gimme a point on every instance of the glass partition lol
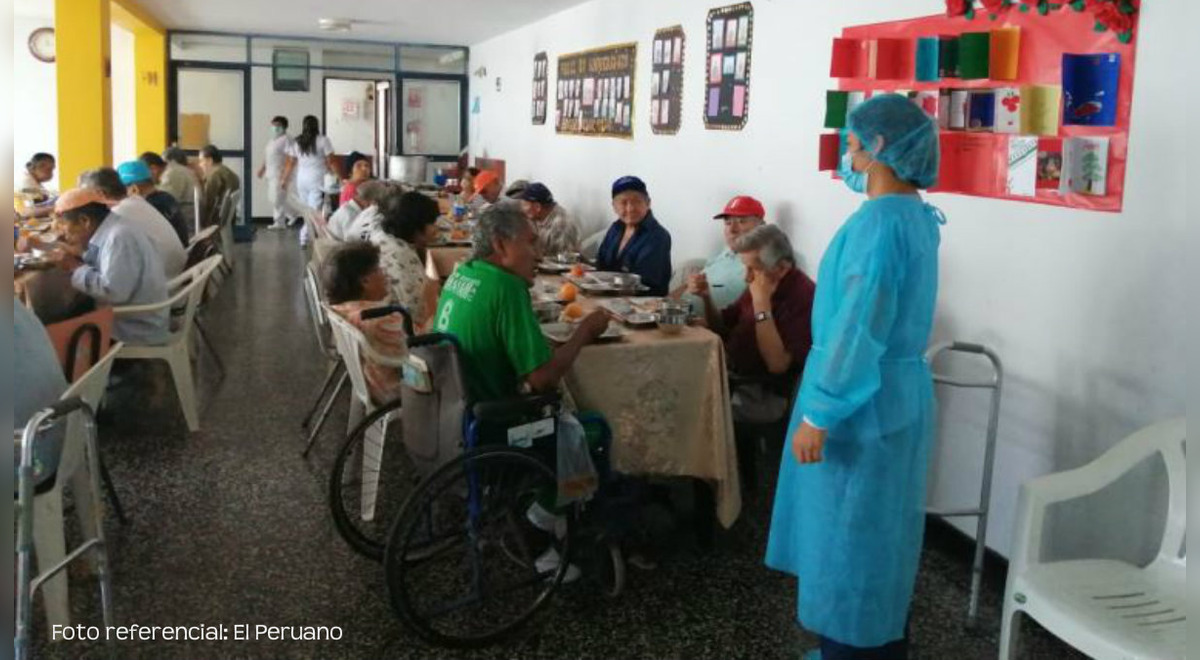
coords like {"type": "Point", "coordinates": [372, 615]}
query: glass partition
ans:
{"type": "Point", "coordinates": [208, 48]}
{"type": "Point", "coordinates": [433, 59]}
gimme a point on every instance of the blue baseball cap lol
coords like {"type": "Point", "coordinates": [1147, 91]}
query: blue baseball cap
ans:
{"type": "Point", "coordinates": [627, 183]}
{"type": "Point", "coordinates": [536, 192]}
{"type": "Point", "coordinates": [134, 171]}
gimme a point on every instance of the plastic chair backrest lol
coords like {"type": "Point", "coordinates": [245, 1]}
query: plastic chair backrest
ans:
{"type": "Point", "coordinates": [316, 310]}
{"type": "Point", "coordinates": [689, 267]}
{"type": "Point", "coordinates": [191, 284]}
{"type": "Point", "coordinates": [81, 341]}
{"type": "Point", "coordinates": [591, 245]}
{"type": "Point", "coordinates": [90, 388]}
{"type": "Point", "coordinates": [349, 342]}
{"type": "Point", "coordinates": [432, 423]}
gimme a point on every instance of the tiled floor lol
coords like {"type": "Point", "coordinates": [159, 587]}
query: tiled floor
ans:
{"type": "Point", "coordinates": [230, 526]}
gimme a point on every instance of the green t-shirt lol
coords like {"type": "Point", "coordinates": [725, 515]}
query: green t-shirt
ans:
{"type": "Point", "coordinates": [489, 310]}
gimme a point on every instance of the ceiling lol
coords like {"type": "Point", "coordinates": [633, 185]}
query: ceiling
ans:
{"type": "Point", "coordinates": [449, 22]}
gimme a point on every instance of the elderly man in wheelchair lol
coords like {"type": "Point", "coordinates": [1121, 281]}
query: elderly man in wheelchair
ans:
{"type": "Point", "coordinates": [495, 479]}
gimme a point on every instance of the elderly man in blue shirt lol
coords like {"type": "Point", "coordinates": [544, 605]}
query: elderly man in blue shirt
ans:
{"type": "Point", "coordinates": [112, 261]}
{"type": "Point", "coordinates": [636, 242]}
{"type": "Point", "coordinates": [724, 274]}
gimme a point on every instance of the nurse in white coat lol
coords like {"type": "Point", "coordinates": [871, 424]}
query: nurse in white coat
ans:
{"type": "Point", "coordinates": [310, 157]}
{"type": "Point", "coordinates": [280, 145]}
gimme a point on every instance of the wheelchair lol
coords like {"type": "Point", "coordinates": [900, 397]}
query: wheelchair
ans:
{"type": "Point", "coordinates": [458, 509]}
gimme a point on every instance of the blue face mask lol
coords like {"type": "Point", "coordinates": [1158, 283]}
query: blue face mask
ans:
{"type": "Point", "coordinates": [856, 181]}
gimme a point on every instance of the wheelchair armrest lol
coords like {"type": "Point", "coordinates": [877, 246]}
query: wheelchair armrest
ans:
{"type": "Point", "coordinates": [431, 339]}
{"type": "Point", "coordinates": [507, 409]}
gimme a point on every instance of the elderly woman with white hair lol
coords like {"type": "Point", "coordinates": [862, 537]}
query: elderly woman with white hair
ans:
{"type": "Point", "coordinates": [767, 333]}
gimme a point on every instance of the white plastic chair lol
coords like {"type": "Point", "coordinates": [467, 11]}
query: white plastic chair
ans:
{"type": "Point", "coordinates": [591, 245]}
{"type": "Point", "coordinates": [1107, 609]}
{"type": "Point", "coordinates": [334, 371]}
{"type": "Point", "coordinates": [679, 277]}
{"type": "Point", "coordinates": [186, 289]}
{"type": "Point", "coordinates": [75, 467]}
{"type": "Point", "coordinates": [353, 345]}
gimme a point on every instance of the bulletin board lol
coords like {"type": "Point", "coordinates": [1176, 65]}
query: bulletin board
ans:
{"type": "Point", "coordinates": [1034, 105]}
{"type": "Point", "coordinates": [727, 67]}
{"type": "Point", "coordinates": [666, 81]}
{"type": "Point", "coordinates": [541, 72]}
{"type": "Point", "coordinates": [594, 92]}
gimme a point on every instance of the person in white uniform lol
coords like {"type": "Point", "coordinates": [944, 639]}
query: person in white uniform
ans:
{"type": "Point", "coordinates": [310, 158]}
{"type": "Point", "coordinates": [272, 170]}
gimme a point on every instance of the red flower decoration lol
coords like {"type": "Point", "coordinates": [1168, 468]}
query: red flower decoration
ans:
{"type": "Point", "coordinates": [955, 8]}
{"type": "Point", "coordinates": [1110, 15]}
{"type": "Point", "coordinates": [993, 6]}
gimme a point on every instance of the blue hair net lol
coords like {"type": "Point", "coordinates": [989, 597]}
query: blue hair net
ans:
{"type": "Point", "coordinates": [910, 137]}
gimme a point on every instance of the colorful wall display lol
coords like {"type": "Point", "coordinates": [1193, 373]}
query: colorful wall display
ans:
{"type": "Point", "coordinates": [594, 92]}
{"type": "Point", "coordinates": [1032, 99]}
{"type": "Point", "coordinates": [666, 81]}
{"type": "Point", "coordinates": [541, 73]}
{"type": "Point", "coordinates": [727, 79]}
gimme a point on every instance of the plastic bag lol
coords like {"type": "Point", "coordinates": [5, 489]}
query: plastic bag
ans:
{"type": "Point", "coordinates": [577, 479]}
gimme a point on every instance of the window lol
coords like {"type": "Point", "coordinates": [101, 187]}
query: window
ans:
{"type": "Point", "coordinates": [289, 68]}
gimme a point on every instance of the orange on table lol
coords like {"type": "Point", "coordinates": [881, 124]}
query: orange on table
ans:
{"type": "Point", "coordinates": [577, 270]}
{"type": "Point", "coordinates": [573, 311]}
{"type": "Point", "coordinates": [568, 292]}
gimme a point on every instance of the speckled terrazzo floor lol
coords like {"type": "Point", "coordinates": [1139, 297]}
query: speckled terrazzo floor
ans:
{"type": "Point", "coordinates": [230, 526]}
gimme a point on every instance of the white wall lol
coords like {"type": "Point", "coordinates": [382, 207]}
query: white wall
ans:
{"type": "Point", "coordinates": [36, 113]}
{"type": "Point", "coordinates": [350, 132]}
{"type": "Point", "coordinates": [124, 105]}
{"type": "Point", "coordinates": [1086, 309]}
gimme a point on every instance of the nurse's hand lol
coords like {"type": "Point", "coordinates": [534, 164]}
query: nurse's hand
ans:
{"type": "Point", "coordinates": [808, 443]}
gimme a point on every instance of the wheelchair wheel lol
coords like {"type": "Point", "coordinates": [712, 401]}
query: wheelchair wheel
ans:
{"type": "Point", "coordinates": [461, 563]}
{"type": "Point", "coordinates": [372, 477]}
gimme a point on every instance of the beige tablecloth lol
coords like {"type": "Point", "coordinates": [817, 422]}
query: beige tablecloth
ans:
{"type": "Point", "coordinates": [667, 399]}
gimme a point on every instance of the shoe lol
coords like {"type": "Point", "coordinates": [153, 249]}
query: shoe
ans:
{"type": "Point", "coordinates": [644, 563]}
{"type": "Point", "coordinates": [539, 517]}
{"type": "Point", "coordinates": [549, 562]}
{"type": "Point", "coordinates": [277, 226]}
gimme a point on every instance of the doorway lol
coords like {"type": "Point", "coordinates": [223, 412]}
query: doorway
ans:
{"type": "Point", "coordinates": [357, 117]}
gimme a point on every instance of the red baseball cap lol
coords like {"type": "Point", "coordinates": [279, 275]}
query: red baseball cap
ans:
{"type": "Point", "coordinates": [742, 206]}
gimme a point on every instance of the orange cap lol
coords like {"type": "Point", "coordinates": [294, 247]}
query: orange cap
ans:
{"type": "Point", "coordinates": [484, 179]}
{"type": "Point", "coordinates": [77, 197]}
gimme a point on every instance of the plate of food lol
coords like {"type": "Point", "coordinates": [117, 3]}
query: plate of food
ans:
{"type": "Point", "coordinates": [560, 332]}
{"type": "Point", "coordinates": [24, 261]}
{"type": "Point", "coordinates": [633, 311]}
{"type": "Point", "coordinates": [608, 283]}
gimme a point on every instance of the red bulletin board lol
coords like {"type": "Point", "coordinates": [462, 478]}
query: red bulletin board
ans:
{"type": "Point", "coordinates": [1044, 39]}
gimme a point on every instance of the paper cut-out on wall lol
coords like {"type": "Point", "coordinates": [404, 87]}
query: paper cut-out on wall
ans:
{"type": "Point", "coordinates": [1022, 165]}
{"type": "Point", "coordinates": [1090, 88]}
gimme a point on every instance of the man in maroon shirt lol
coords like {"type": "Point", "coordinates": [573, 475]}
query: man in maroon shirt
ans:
{"type": "Point", "coordinates": [767, 334]}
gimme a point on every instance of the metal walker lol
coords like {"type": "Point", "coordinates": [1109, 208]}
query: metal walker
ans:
{"type": "Point", "coordinates": [27, 583]}
{"type": "Point", "coordinates": [985, 494]}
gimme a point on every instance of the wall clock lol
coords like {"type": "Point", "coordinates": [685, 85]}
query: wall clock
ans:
{"type": "Point", "coordinates": [41, 44]}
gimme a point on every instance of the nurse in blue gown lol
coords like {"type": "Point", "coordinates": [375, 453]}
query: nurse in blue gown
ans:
{"type": "Point", "coordinates": [849, 517]}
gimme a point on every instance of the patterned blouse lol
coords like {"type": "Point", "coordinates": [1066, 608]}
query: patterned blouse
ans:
{"type": "Point", "coordinates": [557, 233]}
{"type": "Point", "coordinates": [405, 272]}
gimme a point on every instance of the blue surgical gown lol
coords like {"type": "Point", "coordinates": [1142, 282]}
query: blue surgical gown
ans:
{"type": "Point", "coordinates": [850, 527]}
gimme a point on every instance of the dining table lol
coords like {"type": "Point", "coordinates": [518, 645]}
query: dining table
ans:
{"type": "Point", "coordinates": [665, 395]}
